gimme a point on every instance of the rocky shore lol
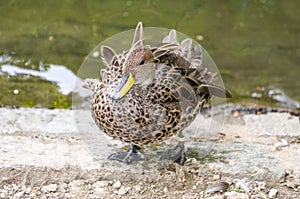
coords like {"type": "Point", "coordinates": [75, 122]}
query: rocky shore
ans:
{"type": "Point", "coordinates": [232, 151]}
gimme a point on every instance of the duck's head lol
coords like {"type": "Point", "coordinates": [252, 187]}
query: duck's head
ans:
{"type": "Point", "coordinates": [139, 65]}
{"type": "Point", "coordinates": [139, 69]}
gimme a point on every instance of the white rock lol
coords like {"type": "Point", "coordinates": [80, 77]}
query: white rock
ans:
{"type": "Point", "coordinates": [123, 190]}
{"type": "Point", "coordinates": [19, 194]}
{"type": "Point", "coordinates": [273, 192]}
{"type": "Point", "coordinates": [281, 143]}
{"type": "Point", "coordinates": [3, 195]}
{"type": "Point", "coordinates": [102, 184]}
{"type": "Point", "coordinates": [216, 177]}
{"type": "Point", "coordinates": [236, 195]}
{"type": "Point", "coordinates": [26, 190]}
{"type": "Point", "coordinates": [242, 184]}
{"type": "Point", "coordinates": [165, 189]}
{"type": "Point", "coordinates": [117, 184]}
{"type": "Point", "coordinates": [137, 188]}
{"type": "Point", "coordinates": [15, 187]}
{"type": "Point", "coordinates": [49, 188]}
{"type": "Point", "coordinates": [100, 190]}
{"type": "Point", "coordinates": [76, 183]}
{"type": "Point", "coordinates": [100, 187]}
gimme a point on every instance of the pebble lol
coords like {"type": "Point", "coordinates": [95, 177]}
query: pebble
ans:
{"type": "Point", "coordinates": [242, 185]}
{"type": "Point", "coordinates": [236, 113]}
{"type": "Point", "coordinates": [64, 187]}
{"type": "Point", "coordinates": [216, 177]}
{"type": "Point", "coordinates": [117, 184]}
{"type": "Point", "coordinates": [281, 143]}
{"type": "Point", "coordinates": [165, 189]}
{"type": "Point", "coordinates": [137, 188]}
{"type": "Point", "coordinates": [273, 192]}
{"type": "Point", "coordinates": [3, 195]}
{"type": "Point", "coordinates": [49, 188]}
{"type": "Point", "coordinates": [76, 183]}
{"type": "Point", "coordinates": [235, 195]}
{"type": "Point", "coordinates": [14, 187]}
{"type": "Point", "coordinates": [262, 195]}
{"type": "Point", "coordinates": [261, 185]}
{"type": "Point", "coordinates": [102, 184]}
{"type": "Point", "coordinates": [26, 190]}
{"type": "Point", "coordinates": [99, 190]}
{"type": "Point", "coordinates": [19, 194]}
{"type": "Point", "coordinates": [100, 187]}
{"type": "Point", "coordinates": [217, 187]}
{"type": "Point", "coordinates": [123, 190]}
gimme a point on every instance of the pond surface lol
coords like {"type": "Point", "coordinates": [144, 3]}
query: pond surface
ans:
{"type": "Point", "coordinates": [255, 44]}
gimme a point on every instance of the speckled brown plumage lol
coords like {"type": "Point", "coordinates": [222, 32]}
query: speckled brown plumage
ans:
{"type": "Point", "coordinates": [155, 109]}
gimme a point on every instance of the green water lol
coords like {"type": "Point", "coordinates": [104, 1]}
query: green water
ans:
{"type": "Point", "coordinates": [255, 44]}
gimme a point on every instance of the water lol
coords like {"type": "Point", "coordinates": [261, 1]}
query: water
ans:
{"type": "Point", "coordinates": [255, 44]}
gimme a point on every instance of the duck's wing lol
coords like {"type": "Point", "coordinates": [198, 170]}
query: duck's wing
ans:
{"type": "Point", "coordinates": [187, 60]}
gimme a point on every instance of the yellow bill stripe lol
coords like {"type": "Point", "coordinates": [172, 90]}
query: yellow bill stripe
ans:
{"type": "Point", "coordinates": [127, 81]}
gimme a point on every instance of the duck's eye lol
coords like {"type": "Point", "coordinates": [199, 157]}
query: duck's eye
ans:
{"type": "Point", "coordinates": [142, 62]}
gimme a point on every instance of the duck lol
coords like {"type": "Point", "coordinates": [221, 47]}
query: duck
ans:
{"type": "Point", "coordinates": [149, 93]}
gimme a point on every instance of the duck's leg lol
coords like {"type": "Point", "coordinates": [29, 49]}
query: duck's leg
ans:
{"type": "Point", "coordinates": [176, 154]}
{"type": "Point", "coordinates": [131, 155]}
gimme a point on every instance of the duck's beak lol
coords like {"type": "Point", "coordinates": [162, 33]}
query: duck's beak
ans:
{"type": "Point", "coordinates": [123, 87]}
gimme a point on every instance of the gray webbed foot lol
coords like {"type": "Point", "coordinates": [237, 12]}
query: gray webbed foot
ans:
{"type": "Point", "coordinates": [176, 154]}
{"type": "Point", "coordinates": [131, 155]}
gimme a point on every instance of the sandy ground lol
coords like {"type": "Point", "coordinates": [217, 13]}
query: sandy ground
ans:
{"type": "Point", "coordinates": [232, 151]}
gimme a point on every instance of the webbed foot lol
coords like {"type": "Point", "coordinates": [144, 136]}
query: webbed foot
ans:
{"type": "Point", "coordinates": [176, 154]}
{"type": "Point", "coordinates": [131, 155]}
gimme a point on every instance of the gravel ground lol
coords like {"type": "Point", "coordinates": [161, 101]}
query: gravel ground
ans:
{"type": "Point", "coordinates": [45, 154]}
{"type": "Point", "coordinates": [193, 180]}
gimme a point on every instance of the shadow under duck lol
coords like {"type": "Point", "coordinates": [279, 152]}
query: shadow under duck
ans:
{"type": "Point", "coordinates": [149, 93]}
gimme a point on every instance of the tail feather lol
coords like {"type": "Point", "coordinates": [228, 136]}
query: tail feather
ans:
{"type": "Point", "coordinates": [186, 48]}
{"type": "Point", "coordinates": [138, 34]}
{"type": "Point", "coordinates": [171, 37]}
